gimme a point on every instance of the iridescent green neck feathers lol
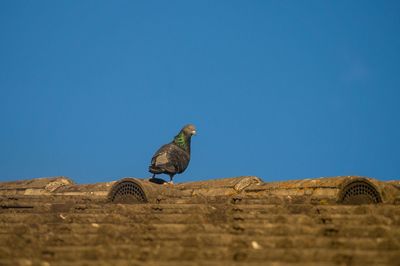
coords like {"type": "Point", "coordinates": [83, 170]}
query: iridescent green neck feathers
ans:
{"type": "Point", "coordinates": [182, 141]}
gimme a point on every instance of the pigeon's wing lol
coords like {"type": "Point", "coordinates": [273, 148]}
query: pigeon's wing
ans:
{"type": "Point", "coordinates": [179, 158]}
{"type": "Point", "coordinates": [169, 159]}
{"type": "Point", "coordinates": [161, 161]}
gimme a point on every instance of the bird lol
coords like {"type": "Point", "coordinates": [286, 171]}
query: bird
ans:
{"type": "Point", "coordinates": [173, 158]}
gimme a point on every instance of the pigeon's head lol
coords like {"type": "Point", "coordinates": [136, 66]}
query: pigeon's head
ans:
{"type": "Point", "coordinates": [189, 130]}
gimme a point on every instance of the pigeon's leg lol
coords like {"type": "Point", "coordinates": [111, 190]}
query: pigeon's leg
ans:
{"type": "Point", "coordinates": [154, 176]}
{"type": "Point", "coordinates": [170, 179]}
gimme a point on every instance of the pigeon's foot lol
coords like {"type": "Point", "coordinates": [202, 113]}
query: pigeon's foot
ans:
{"type": "Point", "coordinates": [168, 183]}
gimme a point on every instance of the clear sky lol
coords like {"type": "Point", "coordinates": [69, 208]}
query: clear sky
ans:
{"type": "Point", "coordinates": [278, 89]}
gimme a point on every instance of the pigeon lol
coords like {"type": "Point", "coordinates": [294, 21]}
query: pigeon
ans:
{"type": "Point", "coordinates": [173, 158]}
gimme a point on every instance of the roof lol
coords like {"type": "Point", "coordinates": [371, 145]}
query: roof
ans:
{"type": "Point", "coordinates": [234, 221]}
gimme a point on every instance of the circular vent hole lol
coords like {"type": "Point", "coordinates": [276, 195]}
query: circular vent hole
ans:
{"type": "Point", "coordinates": [127, 192]}
{"type": "Point", "coordinates": [360, 192]}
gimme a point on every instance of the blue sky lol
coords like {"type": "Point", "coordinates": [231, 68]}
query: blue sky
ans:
{"type": "Point", "coordinates": [278, 89]}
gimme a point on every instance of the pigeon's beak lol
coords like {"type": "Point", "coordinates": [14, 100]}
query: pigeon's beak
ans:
{"type": "Point", "coordinates": [194, 132]}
